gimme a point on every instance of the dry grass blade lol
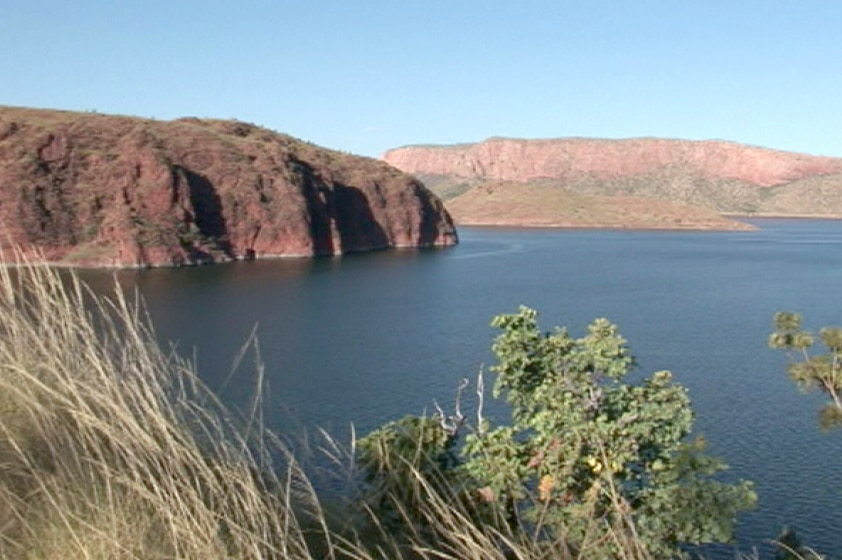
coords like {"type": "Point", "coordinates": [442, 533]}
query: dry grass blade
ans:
{"type": "Point", "coordinates": [112, 448]}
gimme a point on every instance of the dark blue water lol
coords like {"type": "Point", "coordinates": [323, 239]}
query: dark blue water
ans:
{"type": "Point", "coordinates": [369, 338]}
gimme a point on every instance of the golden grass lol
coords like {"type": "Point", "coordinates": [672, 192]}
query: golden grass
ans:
{"type": "Point", "coordinates": [111, 448]}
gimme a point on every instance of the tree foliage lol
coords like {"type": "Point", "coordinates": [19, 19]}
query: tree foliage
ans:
{"type": "Point", "coordinates": [822, 372]}
{"type": "Point", "coordinates": [587, 454]}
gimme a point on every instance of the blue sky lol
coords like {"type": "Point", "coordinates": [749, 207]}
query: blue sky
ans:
{"type": "Point", "coordinates": [366, 76]}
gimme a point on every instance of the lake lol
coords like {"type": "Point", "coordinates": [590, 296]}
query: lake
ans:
{"type": "Point", "coordinates": [368, 338]}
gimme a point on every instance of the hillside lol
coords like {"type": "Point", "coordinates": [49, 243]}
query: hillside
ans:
{"type": "Point", "coordinates": [713, 176]}
{"type": "Point", "coordinates": [547, 205]}
{"type": "Point", "coordinates": [92, 189]}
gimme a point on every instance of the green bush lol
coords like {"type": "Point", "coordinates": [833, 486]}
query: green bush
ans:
{"type": "Point", "coordinates": [590, 460]}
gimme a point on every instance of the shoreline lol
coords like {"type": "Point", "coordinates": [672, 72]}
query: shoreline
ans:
{"type": "Point", "coordinates": [687, 228]}
{"type": "Point", "coordinates": [612, 228]}
{"type": "Point", "coordinates": [34, 258]}
{"type": "Point", "coordinates": [40, 261]}
{"type": "Point", "coordinates": [764, 216]}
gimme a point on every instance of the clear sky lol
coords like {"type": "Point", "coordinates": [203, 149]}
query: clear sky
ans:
{"type": "Point", "coordinates": [364, 76]}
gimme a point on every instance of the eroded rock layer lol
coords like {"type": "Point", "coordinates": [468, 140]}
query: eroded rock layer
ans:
{"type": "Point", "coordinates": [723, 177]}
{"type": "Point", "coordinates": [92, 189]}
{"type": "Point", "coordinates": [528, 160]}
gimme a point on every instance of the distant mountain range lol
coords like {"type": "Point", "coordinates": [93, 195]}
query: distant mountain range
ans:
{"type": "Point", "coordinates": [634, 183]}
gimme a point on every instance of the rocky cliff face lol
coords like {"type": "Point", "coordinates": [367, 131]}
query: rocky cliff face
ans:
{"type": "Point", "coordinates": [720, 176]}
{"type": "Point", "coordinates": [90, 189]}
{"type": "Point", "coordinates": [572, 159]}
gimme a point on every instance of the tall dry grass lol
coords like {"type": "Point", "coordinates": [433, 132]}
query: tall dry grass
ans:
{"type": "Point", "coordinates": [112, 448]}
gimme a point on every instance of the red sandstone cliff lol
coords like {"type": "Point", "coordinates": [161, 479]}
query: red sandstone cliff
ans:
{"type": "Point", "coordinates": [92, 189]}
{"type": "Point", "coordinates": [720, 176]}
{"type": "Point", "coordinates": [530, 160]}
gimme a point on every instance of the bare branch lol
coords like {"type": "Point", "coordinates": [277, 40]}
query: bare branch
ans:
{"type": "Point", "coordinates": [459, 417]}
{"type": "Point", "coordinates": [440, 413]}
{"type": "Point", "coordinates": [450, 424]}
{"type": "Point", "coordinates": [453, 423]}
{"type": "Point", "coordinates": [480, 400]}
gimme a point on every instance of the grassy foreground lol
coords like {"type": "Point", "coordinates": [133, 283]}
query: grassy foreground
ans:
{"type": "Point", "coordinates": [112, 448]}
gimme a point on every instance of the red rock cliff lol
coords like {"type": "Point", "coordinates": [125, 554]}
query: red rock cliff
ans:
{"type": "Point", "coordinates": [571, 159]}
{"type": "Point", "coordinates": [105, 190]}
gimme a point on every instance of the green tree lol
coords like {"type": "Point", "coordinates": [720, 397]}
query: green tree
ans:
{"type": "Point", "coordinates": [810, 371]}
{"type": "Point", "coordinates": [587, 455]}
{"type": "Point", "coordinates": [822, 372]}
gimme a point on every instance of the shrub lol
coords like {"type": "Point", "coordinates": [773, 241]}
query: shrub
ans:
{"type": "Point", "coordinates": [589, 460]}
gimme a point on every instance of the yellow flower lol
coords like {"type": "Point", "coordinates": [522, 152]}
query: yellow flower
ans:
{"type": "Point", "coordinates": [545, 488]}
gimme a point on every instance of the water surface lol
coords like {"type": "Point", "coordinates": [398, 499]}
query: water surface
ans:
{"type": "Point", "coordinates": [368, 338]}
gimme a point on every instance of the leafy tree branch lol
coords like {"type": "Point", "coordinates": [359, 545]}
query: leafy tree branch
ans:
{"type": "Point", "coordinates": [810, 372]}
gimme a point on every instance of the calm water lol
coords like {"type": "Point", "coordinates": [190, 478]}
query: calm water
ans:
{"type": "Point", "coordinates": [368, 338]}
